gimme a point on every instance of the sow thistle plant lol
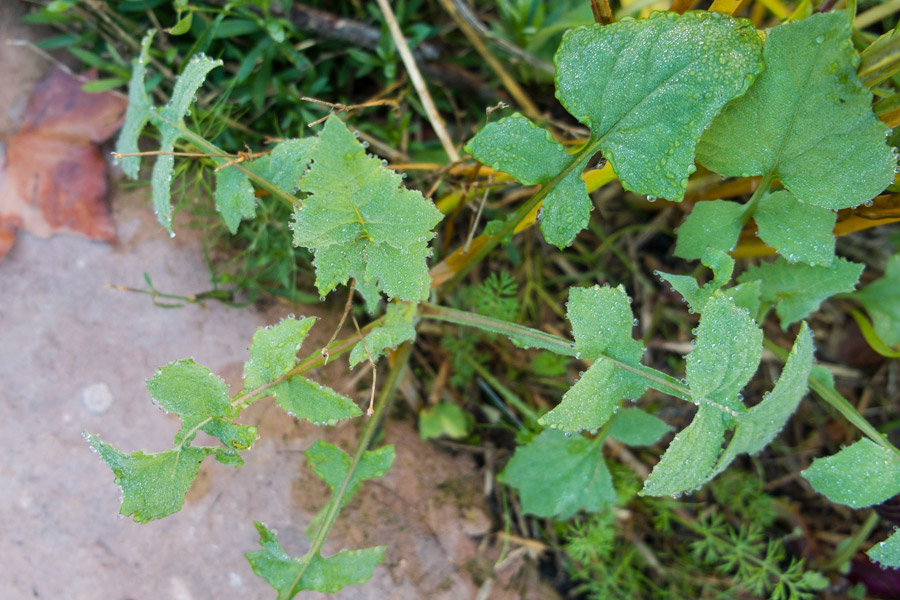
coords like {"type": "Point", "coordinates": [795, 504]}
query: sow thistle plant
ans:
{"type": "Point", "coordinates": [658, 95]}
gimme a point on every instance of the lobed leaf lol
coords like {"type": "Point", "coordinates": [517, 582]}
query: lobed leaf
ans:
{"type": "Point", "coordinates": [154, 485]}
{"type": "Point", "coordinates": [290, 576]}
{"type": "Point", "coordinates": [887, 553]}
{"type": "Point", "coordinates": [860, 475]}
{"type": "Point", "coordinates": [798, 231]}
{"type": "Point", "coordinates": [635, 427]}
{"type": "Point", "coordinates": [727, 352]}
{"type": "Point", "coordinates": [716, 224]}
{"type": "Point", "coordinates": [690, 458]}
{"type": "Point", "coordinates": [797, 290]}
{"type": "Point", "coordinates": [201, 399]}
{"type": "Point", "coordinates": [556, 475]}
{"type": "Point", "coordinates": [360, 223]}
{"type": "Point", "coordinates": [397, 328]}
{"type": "Point", "coordinates": [722, 266]}
{"type": "Point", "coordinates": [807, 120]}
{"type": "Point", "coordinates": [601, 320]}
{"type": "Point", "coordinates": [647, 89]}
{"type": "Point", "coordinates": [332, 464]}
{"type": "Point", "coordinates": [881, 298]}
{"type": "Point", "coordinates": [758, 427]}
{"type": "Point", "coordinates": [274, 350]}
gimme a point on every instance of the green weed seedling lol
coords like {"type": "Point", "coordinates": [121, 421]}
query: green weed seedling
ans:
{"type": "Point", "coordinates": [658, 95]}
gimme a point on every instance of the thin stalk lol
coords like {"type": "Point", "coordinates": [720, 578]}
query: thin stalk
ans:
{"type": "Point", "coordinates": [764, 186]}
{"type": "Point", "coordinates": [508, 395]}
{"type": "Point", "coordinates": [839, 403]}
{"type": "Point", "coordinates": [394, 377]}
{"type": "Point", "coordinates": [848, 550]}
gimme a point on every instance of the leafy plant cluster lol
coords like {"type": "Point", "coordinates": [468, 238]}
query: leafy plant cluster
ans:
{"type": "Point", "coordinates": [659, 96]}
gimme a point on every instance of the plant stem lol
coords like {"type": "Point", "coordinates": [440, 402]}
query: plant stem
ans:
{"type": "Point", "coordinates": [509, 396]}
{"type": "Point", "coordinates": [760, 191]}
{"type": "Point", "coordinates": [394, 377]}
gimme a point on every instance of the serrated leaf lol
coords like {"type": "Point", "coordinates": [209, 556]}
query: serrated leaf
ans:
{"type": "Point", "coordinates": [201, 399]}
{"type": "Point", "coordinates": [635, 427]}
{"type": "Point", "coordinates": [601, 320]}
{"type": "Point", "coordinates": [797, 290]}
{"type": "Point", "coordinates": [758, 427]}
{"type": "Point", "coordinates": [443, 419]}
{"type": "Point", "coordinates": [320, 405]}
{"type": "Point", "coordinates": [169, 120]}
{"type": "Point", "coordinates": [556, 476]}
{"type": "Point", "coordinates": [887, 553]}
{"type": "Point", "coordinates": [689, 459]}
{"type": "Point", "coordinates": [727, 354]}
{"type": "Point", "coordinates": [722, 267]}
{"type": "Point", "coordinates": [715, 224]}
{"type": "Point", "coordinates": [881, 298]}
{"type": "Point", "coordinates": [361, 223]}
{"type": "Point", "coordinates": [290, 576]}
{"type": "Point", "coordinates": [153, 485]}
{"type": "Point", "coordinates": [274, 350]}
{"type": "Point", "coordinates": [648, 87]}
{"type": "Point", "coordinates": [798, 231]}
{"type": "Point", "coordinates": [332, 464]}
{"type": "Point", "coordinates": [807, 120]}
{"type": "Point", "coordinates": [397, 328]}
{"type": "Point", "coordinates": [528, 153]}
{"type": "Point", "coordinates": [860, 475]}
{"type": "Point", "coordinates": [285, 165]}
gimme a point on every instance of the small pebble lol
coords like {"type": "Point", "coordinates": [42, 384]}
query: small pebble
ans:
{"type": "Point", "coordinates": [97, 398]}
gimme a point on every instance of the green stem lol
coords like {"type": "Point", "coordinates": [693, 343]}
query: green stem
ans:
{"type": "Point", "coordinates": [839, 403]}
{"type": "Point", "coordinates": [394, 377]}
{"type": "Point", "coordinates": [848, 550]}
{"type": "Point", "coordinates": [546, 341]}
{"type": "Point", "coordinates": [761, 191]}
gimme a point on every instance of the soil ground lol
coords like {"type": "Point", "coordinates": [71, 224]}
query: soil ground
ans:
{"type": "Point", "coordinates": [74, 357]}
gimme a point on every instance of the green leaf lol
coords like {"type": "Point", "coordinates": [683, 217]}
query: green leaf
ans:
{"type": "Point", "coordinates": [797, 290]}
{"type": "Point", "coordinates": [722, 266]}
{"type": "Point", "coordinates": [690, 457]}
{"type": "Point", "coordinates": [799, 232]}
{"type": "Point", "coordinates": [332, 464]}
{"type": "Point", "coordinates": [153, 485]}
{"type": "Point", "coordinates": [169, 120]}
{"type": "Point", "coordinates": [234, 195]}
{"type": "Point", "coordinates": [361, 223]}
{"type": "Point", "coordinates": [727, 354]}
{"type": "Point", "coordinates": [881, 298]}
{"type": "Point", "coordinates": [201, 399]}
{"type": "Point", "coordinates": [635, 427]}
{"type": "Point", "coordinates": [556, 476]}
{"type": "Point", "coordinates": [860, 475]}
{"type": "Point", "coordinates": [290, 576]}
{"type": "Point", "coordinates": [286, 164]}
{"type": "Point", "coordinates": [303, 398]}
{"type": "Point", "coordinates": [601, 320]}
{"type": "Point", "coordinates": [807, 120]}
{"type": "Point", "coordinates": [274, 351]}
{"type": "Point", "coordinates": [647, 88]}
{"type": "Point", "coordinates": [746, 295]}
{"type": "Point", "coordinates": [444, 419]}
{"type": "Point", "coordinates": [887, 553]}
{"type": "Point", "coordinates": [183, 25]}
{"type": "Point", "coordinates": [715, 224]}
{"type": "Point", "coordinates": [758, 427]}
{"type": "Point", "coordinates": [397, 328]}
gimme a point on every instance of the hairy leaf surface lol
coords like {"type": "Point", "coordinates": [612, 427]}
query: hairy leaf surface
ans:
{"type": "Point", "coordinates": [397, 328]}
{"type": "Point", "coordinates": [601, 320]}
{"type": "Point", "coordinates": [887, 553]}
{"type": "Point", "coordinates": [154, 485]}
{"type": "Point", "coordinates": [201, 399]}
{"type": "Point", "coordinates": [169, 120]}
{"type": "Point", "coordinates": [807, 120]}
{"type": "Point", "coordinates": [860, 475]}
{"type": "Point", "coordinates": [798, 231]}
{"type": "Point", "coordinates": [715, 224]}
{"type": "Point", "coordinates": [647, 88]}
{"type": "Point", "coordinates": [290, 576]}
{"type": "Point", "coordinates": [797, 290]}
{"type": "Point", "coordinates": [635, 427]}
{"type": "Point", "coordinates": [556, 476]}
{"type": "Point", "coordinates": [304, 398]}
{"type": "Point", "coordinates": [361, 223]}
{"type": "Point", "coordinates": [882, 301]}
{"type": "Point", "coordinates": [274, 350]}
